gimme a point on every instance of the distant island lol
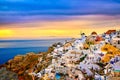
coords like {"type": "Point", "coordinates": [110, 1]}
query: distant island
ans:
{"type": "Point", "coordinates": [92, 57]}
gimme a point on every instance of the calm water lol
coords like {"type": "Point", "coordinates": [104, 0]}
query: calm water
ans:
{"type": "Point", "coordinates": [11, 48]}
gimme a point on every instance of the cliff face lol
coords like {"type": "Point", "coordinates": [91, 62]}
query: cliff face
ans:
{"type": "Point", "coordinates": [22, 65]}
{"type": "Point", "coordinates": [7, 75]}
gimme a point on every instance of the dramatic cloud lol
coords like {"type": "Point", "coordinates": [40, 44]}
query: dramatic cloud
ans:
{"type": "Point", "coordinates": [51, 28]}
{"type": "Point", "coordinates": [35, 19]}
{"type": "Point", "coordinates": [62, 8]}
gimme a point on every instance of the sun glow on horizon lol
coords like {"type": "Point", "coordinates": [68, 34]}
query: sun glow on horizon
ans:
{"type": "Point", "coordinates": [6, 33]}
{"type": "Point", "coordinates": [38, 33]}
{"type": "Point", "coordinates": [58, 29]}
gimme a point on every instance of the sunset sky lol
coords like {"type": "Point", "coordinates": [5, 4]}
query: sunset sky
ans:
{"type": "Point", "coordinates": [38, 19]}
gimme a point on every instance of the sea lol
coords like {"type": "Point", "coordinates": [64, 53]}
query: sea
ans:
{"type": "Point", "coordinates": [11, 48]}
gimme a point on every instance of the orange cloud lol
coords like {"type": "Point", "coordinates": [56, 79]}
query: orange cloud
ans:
{"type": "Point", "coordinates": [58, 29]}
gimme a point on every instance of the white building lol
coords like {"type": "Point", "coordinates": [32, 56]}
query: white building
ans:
{"type": "Point", "coordinates": [116, 40]}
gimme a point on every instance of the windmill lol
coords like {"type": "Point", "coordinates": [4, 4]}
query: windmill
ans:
{"type": "Point", "coordinates": [80, 33]}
